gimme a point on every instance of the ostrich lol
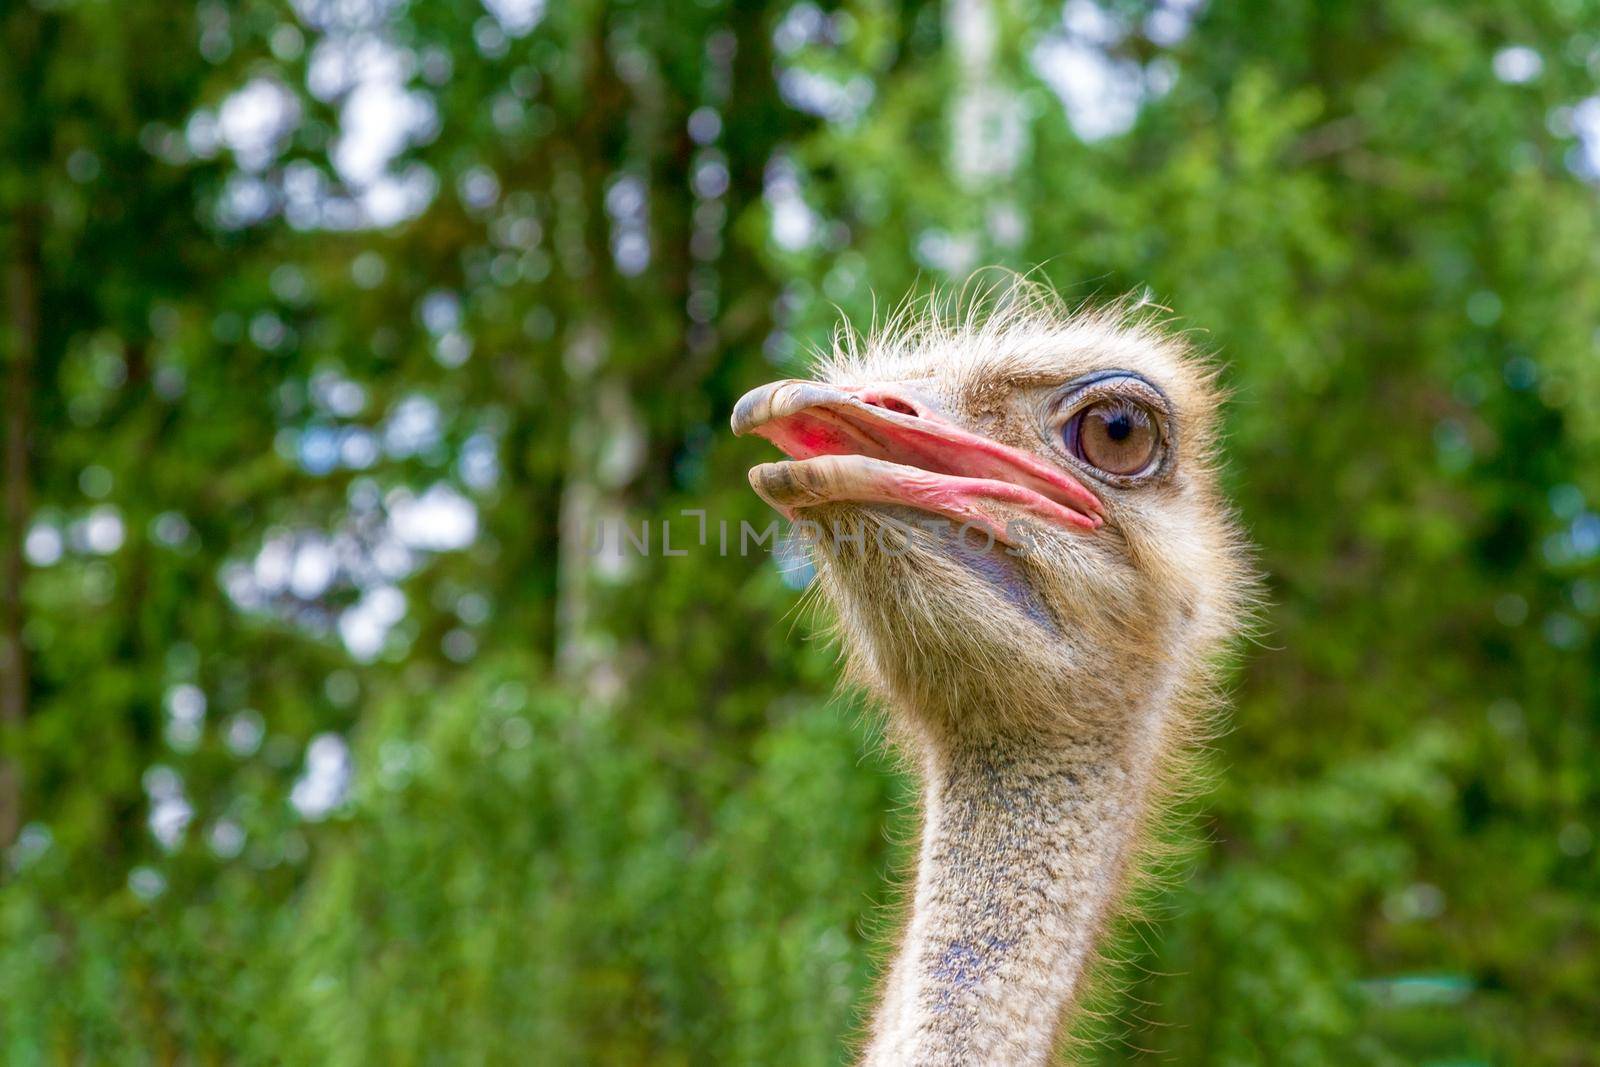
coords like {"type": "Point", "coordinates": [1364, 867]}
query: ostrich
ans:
{"type": "Point", "coordinates": [1017, 523]}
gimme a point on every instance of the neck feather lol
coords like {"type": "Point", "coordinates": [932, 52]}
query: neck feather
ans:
{"type": "Point", "coordinates": [1025, 847]}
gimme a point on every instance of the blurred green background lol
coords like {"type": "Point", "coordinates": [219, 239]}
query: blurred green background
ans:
{"type": "Point", "coordinates": [333, 328]}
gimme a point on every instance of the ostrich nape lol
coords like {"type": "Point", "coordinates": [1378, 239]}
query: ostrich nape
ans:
{"type": "Point", "coordinates": [1017, 523]}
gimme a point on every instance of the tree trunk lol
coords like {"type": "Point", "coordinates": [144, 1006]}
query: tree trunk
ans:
{"type": "Point", "coordinates": [22, 328]}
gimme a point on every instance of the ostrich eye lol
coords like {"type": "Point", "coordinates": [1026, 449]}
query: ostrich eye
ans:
{"type": "Point", "coordinates": [1117, 436]}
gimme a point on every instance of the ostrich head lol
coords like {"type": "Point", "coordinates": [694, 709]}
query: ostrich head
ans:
{"type": "Point", "coordinates": [1016, 514]}
{"type": "Point", "coordinates": [1017, 521]}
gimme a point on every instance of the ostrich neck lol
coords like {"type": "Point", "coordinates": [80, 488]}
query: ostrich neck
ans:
{"type": "Point", "coordinates": [1024, 849]}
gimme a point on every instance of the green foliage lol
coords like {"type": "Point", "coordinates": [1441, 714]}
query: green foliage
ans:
{"type": "Point", "coordinates": [604, 807]}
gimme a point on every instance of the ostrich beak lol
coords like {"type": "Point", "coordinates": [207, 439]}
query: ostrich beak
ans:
{"type": "Point", "coordinates": [884, 445]}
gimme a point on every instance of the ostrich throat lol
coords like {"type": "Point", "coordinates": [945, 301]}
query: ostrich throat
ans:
{"type": "Point", "coordinates": [1024, 849]}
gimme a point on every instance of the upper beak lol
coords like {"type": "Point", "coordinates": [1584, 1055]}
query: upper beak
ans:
{"type": "Point", "coordinates": [776, 400]}
{"type": "Point", "coordinates": [888, 444]}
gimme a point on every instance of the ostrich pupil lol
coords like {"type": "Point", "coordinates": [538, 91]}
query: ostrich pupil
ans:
{"type": "Point", "coordinates": [1119, 427]}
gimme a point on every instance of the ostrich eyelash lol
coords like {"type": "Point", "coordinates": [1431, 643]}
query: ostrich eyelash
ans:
{"type": "Point", "coordinates": [1118, 384]}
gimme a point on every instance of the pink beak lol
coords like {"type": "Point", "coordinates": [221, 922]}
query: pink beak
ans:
{"type": "Point", "coordinates": [884, 444]}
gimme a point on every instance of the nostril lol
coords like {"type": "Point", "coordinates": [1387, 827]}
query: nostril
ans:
{"type": "Point", "coordinates": [892, 403]}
